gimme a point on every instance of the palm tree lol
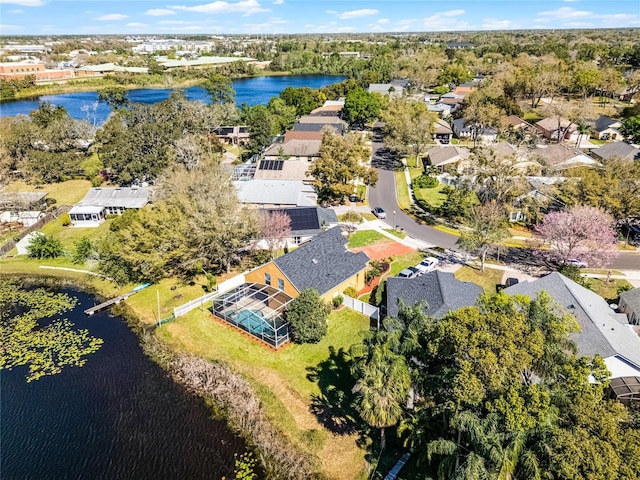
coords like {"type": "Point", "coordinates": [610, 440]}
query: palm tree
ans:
{"type": "Point", "coordinates": [382, 388]}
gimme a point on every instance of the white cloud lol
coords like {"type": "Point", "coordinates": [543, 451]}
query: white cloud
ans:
{"type": "Point", "coordinates": [365, 12]}
{"type": "Point", "coordinates": [278, 2]}
{"type": "Point", "coordinates": [11, 28]}
{"type": "Point", "coordinates": [567, 17]}
{"type": "Point", "coordinates": [159, 12]}
{"type": "Point", "coordinates": [137, 25]}
{"type": "Point", "coordinates": [24, 3]}
{"type": "Point", "coordinates": [495, 24]}
{"type": "Point", "coordinates": [446, 21]}
{"type": "Point", "coordinates": [174, 22]}
{"type": "Point", "coordinates": [331, 12]}
{"type": "Point", "coordinates": [382, 21]}
{"type": "Point", "coordinates": [17, 10]}
{"type": "Point", "coordinates": [566, 12]}
{"type": "Point", "coordinates": [112, 16]}
{"type": "Point", "coordinates": [246, 7]}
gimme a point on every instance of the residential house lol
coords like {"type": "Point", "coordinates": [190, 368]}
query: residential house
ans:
{"type": "Point", "coordinates": [441, 156]}
{"type": "Point", "coordinates": [540, 198]}
{"type": "Point", "coordinates": [390, 89]}
{"type": "Point", "coordinates": [467, 131]}
{"type": "Point", "coordinates": [465, 89]}
{"type": "Point", "coordinates": [606, 128]}
{"type": "Point", "coordinates": [306, 150]}
{"type": "Point", "coordinates": [323, 264]}
{"type": "Point", "coordinates": [514, 122]}
{"type": "Point", "coordinates": [562, 157]}
{"type": "Point", "coordinates": [306, 222]}
{"type": "Point", "coordinates": [620, 150]}
{"type": "Point", "coordinates": [322, 119]}
{"type": "Point", "coordinates": [442, 109]}
{"type": "Point", "coordinates": [22, 201]}
{"type": "Point", "coordinates": [630, 305]}
{"type": "Point", "coordinates": [602, 331]}
{"type": "Point", "coordinates": [93, 209]}
{"type": "Point", "coordinates": [442, 132]}
{"type": "Point", "coordinates": [337, 128]}
{"type": "Point", "coordinates": [439, 292]}
{"type": "Point", "coordinates": [259, 193]}
{"type": "Point", "coordinates": [552, 129]}
{"type": "Point", "coordinates": [233, 135]}
{"type": "Point", "coordinates": [303, 135]}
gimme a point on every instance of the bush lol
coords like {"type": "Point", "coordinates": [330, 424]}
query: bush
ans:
{"type": "Point", "coordinates": [350, 292]}
{"type": "Point", "coordinates": [424, 181]}
{"type": "Point", "coordinates": [337, 301]}
{"type": "Point", "coordinates": [66, 220]}
{"type": "Point", "coordinates": [84, 250]}
{"type": "Point", "coordinates": [307, 316]}
{"type": "Point", "coordinates": [45, 246]}
{"type": "Point", "coordinates": [96, 181]}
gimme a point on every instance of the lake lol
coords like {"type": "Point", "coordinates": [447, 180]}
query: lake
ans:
{"type": "Point", "coordinates": [252, 91]}
{"type": "Point", "coordinates": [118, 417]}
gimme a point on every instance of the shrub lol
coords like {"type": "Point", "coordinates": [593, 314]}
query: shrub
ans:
{"type": "Point", "coordinates": [50, 201]}
{"type": "Point", "coordinates": [84, 250]}
{"type": "Point", "coordinates": [337, 301]}
{"type": "Point", "coordinates": [66, 220]}
{"type": "Point", "coordinates": [96, 181]}
{"type": "Point", "coordinates": [350, 292]}
{"type": "Point", "coordinates": [424, 181]}
{"type": "Point", "coordinates": [45, 246]}
{"type": "Point", "coordinates": [307, 316]}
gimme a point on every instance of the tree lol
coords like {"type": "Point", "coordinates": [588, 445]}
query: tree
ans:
{"type": "Point", "coordinates": [275, 228]}
{"type": "Point", "coordinates": [496, 176]}
{"type": "Point", "coordinates": [488, 229]}
{"type": "Point", "coordinates": [480, 113]}
{"type": "Point", "coordinates": [307, 316]}
{"type": "Point", "coordinates": [631, 128]}
{"type": "Point", "coordinates": [44, 246]}
{"type": "Point", "coordinates": [409, 125]}
{"type": "Point", "coordinates": [341, 163]}
{"type": "Point", "coordinates": [45, 347]}
{"type": "Point", "coordinates": [361, 107]}
{"type": "Point", "coordinates": [304, 99]}
{"type": "Point", "coordinates": [220, 88]}
{"type": "Point", "coordinates": [84, 250]}
{"type": "Point", "coordinates": [581, 232]}
{"type": "Point", "coordinates": [115, 96]}
{"type": "Point", "coordinates": [457, 203]}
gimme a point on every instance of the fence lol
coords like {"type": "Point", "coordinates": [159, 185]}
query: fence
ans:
{"type": "Point", "coordinates": [10, 245]}
{"type": "Point", "coordinates": [361, 307]}
{"type": "Point", "coordinates": [199, 302]}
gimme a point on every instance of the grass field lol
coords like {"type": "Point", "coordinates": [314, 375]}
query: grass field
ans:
{"type": "Point", "coordinates": [433, 196]}
{"type": "Point", "coordinates": [363, 238]}
{"type": "Point", "coordinates": [284, 379]}
{"type": "Point", "coordinates": [404, 199]}
{"type": "Point", "coordinates": [607, 290]}
{"type": "Point", "coordinates": [487, 279]}
{"type": "Point", "coordinates": [65, 193]}
{"type": "Point", "coordinates": [396, 233]}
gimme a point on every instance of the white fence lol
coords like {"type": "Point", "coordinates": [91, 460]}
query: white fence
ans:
{"type": "Point", "coordinates": [361, 307]}
{"type": "Point", "coordinates": [199, 302]}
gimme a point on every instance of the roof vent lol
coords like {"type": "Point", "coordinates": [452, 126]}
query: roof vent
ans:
{"type": "Point", "coordinates": [315, 262]}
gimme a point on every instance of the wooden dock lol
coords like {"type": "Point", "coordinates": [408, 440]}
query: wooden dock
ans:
{"type": "Point", "coordinates": [114, 301]}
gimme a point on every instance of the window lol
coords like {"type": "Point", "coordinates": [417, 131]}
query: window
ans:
{"type": "Point", "coordinates": [296, 240]}
{"type": "Point", "coordinates": [281, 284]}
{"type": "Point", "coordinates": [267, 278]}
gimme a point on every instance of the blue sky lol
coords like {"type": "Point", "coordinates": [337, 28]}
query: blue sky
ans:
{"type": "Point", "coordinates": [32, 17]}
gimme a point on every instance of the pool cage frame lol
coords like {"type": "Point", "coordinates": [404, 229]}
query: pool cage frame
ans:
{"type": "Point", "coordinates": [267, 301]}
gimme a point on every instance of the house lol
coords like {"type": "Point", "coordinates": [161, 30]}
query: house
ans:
{"type": "Point", "coordinates": [93, 209]}
{"type": "Point", "coordinates": [441, 109]}
{"type": "Point", "coordinates": [465, 89]}
{"type": "Point", "coordinates": [602, 331]}
{"type": "Point", "coordinates": [514, 122]}
{"type": "Point", "coordinates": [551, 128]}
{"type": "Point", "coordinates": [620, 150]}
{"type": "Point", "coordinates": [442, 132]}
{"type": "Point", "coordinates": [440, 156]}
{"type": "Point", "coordinates": [607, 128]}
{"type": "Point", "coordinates": [439, 291]}
{"type": "Point", "coordinates": [22, 201]}
{"type": "Point", "coordinates": [541, 197]}
{"type": "Point", "coordinates": [323, 264]}
{"type": "Point", "coordinates": [322, 119]}
{"type": "Point", "coordinates": [482, 135]}
{"type": "Point", "coordinates": [451, 99]}
{"type": "Point", "coordinates": [337, 128]}
{"type": "Point", "coordinates": [562, 157]}
{"type": "Point", "coordinates": [306, 150]}
{"type": "Point", "coordinates": [258, 193]}
{"type": "Point", "coordinates": [303, 135]}
{"type": "Point", "coordinates": [290, 169]}
{"type": "Point", "coordinates": [390, 89]}
{"type": "Point", "coordinates": [233, 135]}
{"type": "Point", "coordinates": [306, 222]}
{"type": "Point", "coordinates": [630, 305]}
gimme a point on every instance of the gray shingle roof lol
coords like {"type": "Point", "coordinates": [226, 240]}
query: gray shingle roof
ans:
{"type": "Point", "coordinates": [600, 332]}
{"type": "Point", "coordinates": [124, 197]}
{"type": "Point", "coordinates": [616, 150]}
{"type": "Point", "coordinates": [632, 298]}
{"type": "Point", "coordinates": [603, 122]}
{"type": "Point", "coordinates": [322, 263]}
{"type": "Point", "coordinates": [440, 290]}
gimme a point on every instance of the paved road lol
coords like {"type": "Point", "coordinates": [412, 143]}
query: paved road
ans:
{"type": "Point", "coordinates": [384, 195]}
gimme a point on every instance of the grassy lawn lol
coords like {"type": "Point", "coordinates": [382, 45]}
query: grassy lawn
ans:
{"type": "Point", "coordinates": [68, 235]}
{"type": "Point", "coordinates": [404, 199]}
{"type": "Point", "coordinates": [433, 196]}
{"type": "Point", "coordinates": [282, 378]}
{"type": "Point", "coordinates": [65, 193]}
{"type": "Point", "coordinates": [532, 116]}
{"type": "Point", "coordinates": [369, 216]}
{"type": "Point", "coordinates": [397, 233]}
{"type": "Point", "coordinates": [595, 141]}
{"type": "Point", "coordinates": [362, 238]}
{"type": "Point", "coordinates": [608, 291]}
{"type": "Point", "coordinates": [487, 279]}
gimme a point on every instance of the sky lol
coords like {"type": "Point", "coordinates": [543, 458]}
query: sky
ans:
{"type": "Point", "coordinates": [42, 17]}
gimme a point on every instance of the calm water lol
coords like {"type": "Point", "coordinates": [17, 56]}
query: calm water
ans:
{"type": "Point", "coordinates": [118, 417]}
{"type": "Point", "coordinates": [252, 91]}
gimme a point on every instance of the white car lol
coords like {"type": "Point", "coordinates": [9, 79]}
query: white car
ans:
{"type": "Point", "coordinates": [379, 212]}
{"type": "Point", "coordinates": [427, 265]}
{"type": "Point", "coordinates": [576, 263]}
{"type": "Point", "coordinates": [410, 272]}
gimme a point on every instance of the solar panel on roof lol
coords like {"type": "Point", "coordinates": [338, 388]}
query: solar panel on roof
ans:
{"type": "Point", "coordinates": [271, 165]}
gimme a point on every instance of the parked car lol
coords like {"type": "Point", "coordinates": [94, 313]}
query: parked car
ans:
{"type": "Point", "coordinates": [577, 263]}
{"type": "Point", "coordinates": [379, 212]}
{"type": "Point", "coordinates": [427, 264]}
{"type": "Point", "coordinates": [410, 272]}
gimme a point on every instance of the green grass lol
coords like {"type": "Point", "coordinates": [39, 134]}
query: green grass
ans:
{"type": "Point", "coordinates": [68, 235]}
{"type": "Point", "coordinates": [595, 141]}
{"type": "Point", "coordinates": [487, 279]}
{"type": "Point", "coordinates": [433, 196]}
{"type": "Point", "coordinates": [404, 199]}
{"type": "Point", "coordinates": [361, 192]}
{"type": "Point", "coordinates": [396, 233]}
{"type": "Point", "coordinates": [363, 238]}
{"type": "Point", "coordinates": [369, 216]}
{"type": "Point", "coordinates": [65, 193]}
{"type": "Point", "coordinates": [532, 116]}
{"type": "Point", "coordinates": [608, 291]}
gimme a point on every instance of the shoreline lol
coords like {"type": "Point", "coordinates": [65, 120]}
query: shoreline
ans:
{"type": "Point", "coordinates": [229, 396]}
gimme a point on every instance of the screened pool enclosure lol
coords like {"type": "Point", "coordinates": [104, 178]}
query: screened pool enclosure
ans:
{"type": "Point", "coordinates": [257, 309]}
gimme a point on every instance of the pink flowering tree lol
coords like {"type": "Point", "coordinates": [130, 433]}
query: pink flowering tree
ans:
{"type": "Point", "coordinates": [582, 232]}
